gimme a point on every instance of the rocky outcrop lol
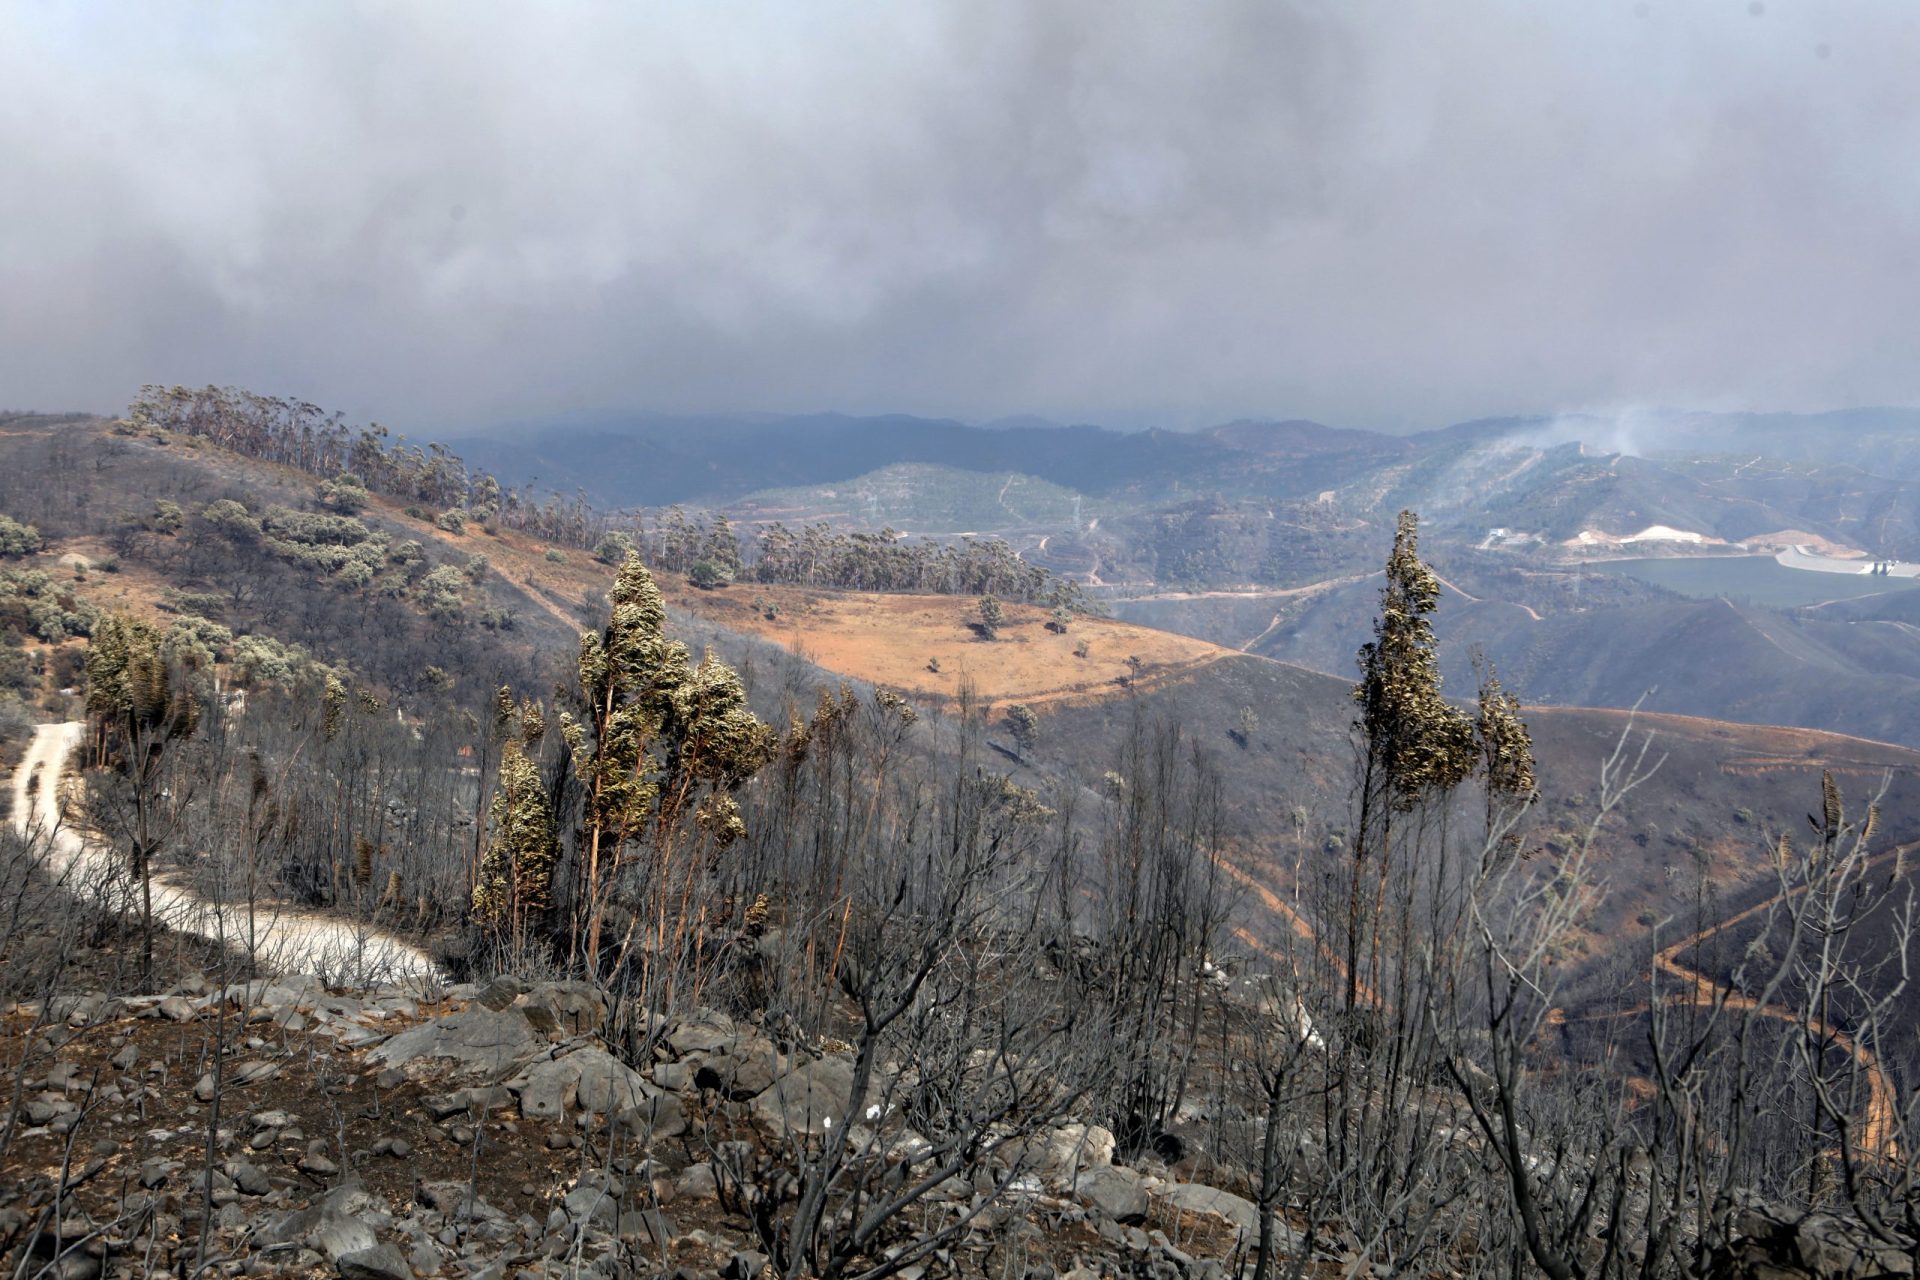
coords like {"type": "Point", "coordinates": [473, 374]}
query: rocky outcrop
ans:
{"type": "Point", "coordinates": [487, 1131]}
{"type": "Point", "coordinates": [1767, 1245]}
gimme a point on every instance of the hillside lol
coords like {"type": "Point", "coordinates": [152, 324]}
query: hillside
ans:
{"type": "Point", "coordinates": [777, 835]}
{"type": "Point", "coordinates": [1706, 812]}
{"type": "Point", "coordinates": [124, 517]}
{"type": "Point", "coordinates": [527, 601]}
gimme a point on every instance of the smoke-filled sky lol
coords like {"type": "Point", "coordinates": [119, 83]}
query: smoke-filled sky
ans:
{"type": "Point", "coordinates": [1384, 213]}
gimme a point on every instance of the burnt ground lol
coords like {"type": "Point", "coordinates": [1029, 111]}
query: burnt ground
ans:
{"type": "Point", "coordinates": [117, 1124]}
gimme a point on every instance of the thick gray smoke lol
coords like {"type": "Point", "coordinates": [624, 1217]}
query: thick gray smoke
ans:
{"type": "Point", "coordinates": [1375, 212]}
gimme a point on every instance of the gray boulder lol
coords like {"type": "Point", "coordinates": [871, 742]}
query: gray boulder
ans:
{"type": "Point", "coordinates": [591, 1078]}
{"type": "Point", "coordinates": [560, 1010]}
{"type": "Point", "coordinates": [1118, 1194]}
{"type": "Point", "coordinates": [743, 1068]}
{"type": "Point", "coordinates": [703, 1031]}
{"type": "Point", "coordinates": [655, 1118]}
{"type": "Point", "coordinates": [1194, 1197]}
{"type": "Point", "coordinates": [696, 1182]}
{"type": "Point", "coordinates": [476, 1042]}
{"type": "Point", "coordinates": [454, 1200]}
{"type": "Point", "coordinates": [339, 1236]}
{"type": "Point", "coordinates": [811, 1099]}
{"type": "Point", "coordinates": [607, 1084]}
{"type": "Point", "coordinates": [381, 1262]}
{"type": "Point", "coordinates": [249, 1179]}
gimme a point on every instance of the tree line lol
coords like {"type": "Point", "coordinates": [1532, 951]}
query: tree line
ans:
{"type": "Point", "coordinates": [708, 548]}
{"type": "Point", "coordinates": [353, 460]}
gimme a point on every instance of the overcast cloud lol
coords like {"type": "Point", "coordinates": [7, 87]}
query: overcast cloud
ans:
{"type": "Point", "coordinates": [1389, 213]}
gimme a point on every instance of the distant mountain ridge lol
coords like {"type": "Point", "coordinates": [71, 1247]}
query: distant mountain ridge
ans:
{"type": "Point", "coordinates": [655, 460]}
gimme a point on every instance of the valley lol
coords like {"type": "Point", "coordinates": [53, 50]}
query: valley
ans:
{"type": "Point", "coordinates": [1274, 640]}
{"type": "Point", "coordinates": [389, 685]}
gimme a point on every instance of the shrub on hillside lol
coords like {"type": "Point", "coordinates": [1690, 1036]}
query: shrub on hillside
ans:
{"type": "Point", "coordinates": [18, 539]}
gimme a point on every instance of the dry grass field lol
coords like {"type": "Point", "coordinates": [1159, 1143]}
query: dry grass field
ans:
{"type": "Point", "coordinates": [928, 644]}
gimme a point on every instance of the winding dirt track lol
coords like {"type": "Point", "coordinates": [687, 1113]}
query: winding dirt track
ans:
{"type": "Point", "coordinates": [279, 938]}
{"type": "Point", "coordinates": [1879, 1122]}
{"type": "Point", "coordinates": [1878, 1133]}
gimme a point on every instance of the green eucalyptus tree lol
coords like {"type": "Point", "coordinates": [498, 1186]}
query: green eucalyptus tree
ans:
{"type": "Point", "coordinates": [658, 742]}
{"type": "Point", "coordinates": [138, 708]}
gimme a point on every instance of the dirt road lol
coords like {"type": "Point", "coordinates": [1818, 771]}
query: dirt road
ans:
{"type": "Point", "coordinates": [1878, 1129]}
{"type": "Point", "coordinates": [1878, 1124]}
{"type": "Point", "coordinates": [281, 939]}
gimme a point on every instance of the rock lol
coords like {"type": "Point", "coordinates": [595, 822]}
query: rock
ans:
{"type": "Point", "coordinates": [210, 1180]}
{"type": "Point", "coordinates": [1118, 1194]}
{"type": "Point", "coordinates": [1769, 1245]}
{"type": "Point", "coordinates": [745, 1265]}
{"type": "Point", "coordinates": [592, 1078]}
{"type": "Point", "coordinates": [704, 1031]}
{"type": "Point", "coordinates": [656, 1119]}
{"type": "Point", "coordinates": [41, 1110]}
{"type": "Point", "coordinates": [452, 1198]}
{"type": "Point", "coordinates": [502, 991]}
{"type": "Point", "coordinates": [608, 1085]}
{"type": "Point", "coordinates": [203, 1087]}
{"type": "Point", "coordinates": [339, 1236]}
{"type": "Point", "coordinates": [746, 1067]}
{"type": "Point", "coordinates": [84, 1009]}
{"type": "Point", "coordinates": [561, 1010]}
{"type": "Point", "coordinates": [697, 1182]}
{"type": "Point", "coordinates": [249, 1179]}
{"type": "Point", "coordinates": [1195, 1197]}
{"type": "Point", "coordinates": [547, 1089]}
{"type": "Point", "coordinates": [1057, 1156]}
{"type": "Point", "coordinates": [674, 1077]}
{"type": "Point", "coordinates": [477, 1041]}
{"type": "Point", "coordinates": [317, 1165]}
{"type": "Point", "coordinates": [381, 1262]}
{"type": "Point", "coordinates": [177, 1009]}
{"type": "Point", "coordinates": [648, 1228]}
{"type": "Point", "coordinates": [595, 1204]}
{"type": "Point", "coordinates": [810, 1099]}
{"type": "Point", "coordinates": [253, 1072]}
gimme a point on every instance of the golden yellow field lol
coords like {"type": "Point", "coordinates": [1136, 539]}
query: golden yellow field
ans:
{"type": "Point", "coordinates": [926, 645]}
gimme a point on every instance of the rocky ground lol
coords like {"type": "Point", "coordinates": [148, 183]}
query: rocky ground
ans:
{"type": "Point", "coordinates": [278, 1128]}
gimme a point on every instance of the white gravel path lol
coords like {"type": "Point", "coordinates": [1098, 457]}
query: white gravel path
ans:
{"type": "Point", "coordinates": [284, 939]}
